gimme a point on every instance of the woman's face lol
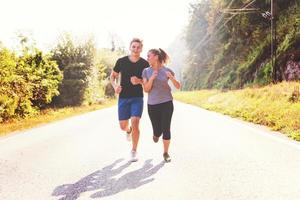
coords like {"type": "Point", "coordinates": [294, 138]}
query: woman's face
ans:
{"type": "Point", "coordinates": [151, 58]}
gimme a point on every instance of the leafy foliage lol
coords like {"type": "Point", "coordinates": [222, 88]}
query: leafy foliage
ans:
{"type": "Point", "coordinates": [232, 49]}
{"type": "Point", "coordinates": [78, 66]}
{"type": "Point", "coordinates": [85, 70]}
{"type": "Point", "coordinates": [28, 82]}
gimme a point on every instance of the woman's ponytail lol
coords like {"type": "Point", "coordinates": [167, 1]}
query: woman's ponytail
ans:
{"type": "Point", "coordinates": [162, 55]}
{"type": "Point", "coordinates": [164, 58]}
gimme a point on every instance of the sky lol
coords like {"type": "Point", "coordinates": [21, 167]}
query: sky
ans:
{"type": "Point", "coordinates": [157, 22]}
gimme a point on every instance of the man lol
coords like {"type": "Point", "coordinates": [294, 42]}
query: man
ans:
{"type": "Point", "coordinates": [130, 104]}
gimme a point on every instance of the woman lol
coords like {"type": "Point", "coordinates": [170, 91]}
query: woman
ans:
{"type": "Point", "coordinates": [160, 100]}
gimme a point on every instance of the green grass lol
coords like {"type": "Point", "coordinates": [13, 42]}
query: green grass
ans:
{"type": "Point", "coordinates": [276, 106]}
{"type": "Point", "coordinates": [50, 115]}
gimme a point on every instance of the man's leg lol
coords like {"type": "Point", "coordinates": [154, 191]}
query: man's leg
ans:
{"type": "Point", "coordinates": [124, 125]}
{"type": "Point", "coordinates": [124, 114]}
{"type": "Point", "coordinates": [135, 132]}
{"type": "Point", "coordinates": [136, 113]}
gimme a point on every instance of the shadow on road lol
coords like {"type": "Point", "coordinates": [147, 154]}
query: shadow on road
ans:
{"type": "Point", "coordinates": [104, 181]}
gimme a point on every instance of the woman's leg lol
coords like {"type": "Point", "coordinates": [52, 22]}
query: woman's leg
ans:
{"type": "Point", "coordinates": [155, 117]}
{"type": "Point", "coordinates": [167, 112]}
{"type": "Point", "coordinates": [166, 145]}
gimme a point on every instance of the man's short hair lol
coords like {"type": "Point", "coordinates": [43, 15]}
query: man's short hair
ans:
{"type": "Point", "coordinates": [138, 40]}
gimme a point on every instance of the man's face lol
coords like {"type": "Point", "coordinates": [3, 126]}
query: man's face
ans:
{"type": "Point", "coordinates": [136, 48]}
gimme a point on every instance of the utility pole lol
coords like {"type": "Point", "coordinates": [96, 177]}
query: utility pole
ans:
{"type": "Point", "coordinates": [272, 16]}
{"type": "Point", "coordinates": [273, 41]}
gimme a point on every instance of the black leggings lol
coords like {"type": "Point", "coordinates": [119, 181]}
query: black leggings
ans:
{"type": "Point", "coordinates": [160, 116]}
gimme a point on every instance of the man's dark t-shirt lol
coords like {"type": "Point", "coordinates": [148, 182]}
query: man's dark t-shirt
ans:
{"type": "Point", "coordinates": [127, 70]}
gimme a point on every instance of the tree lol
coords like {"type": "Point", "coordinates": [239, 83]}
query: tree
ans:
{"type": "Point", "coordinates": [230, 46]}
{"type": "Point", "coordinates": [81, 83]}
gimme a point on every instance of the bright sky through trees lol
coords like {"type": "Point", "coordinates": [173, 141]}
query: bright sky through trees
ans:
{"type": "Point", "coordinates": [157, 22]}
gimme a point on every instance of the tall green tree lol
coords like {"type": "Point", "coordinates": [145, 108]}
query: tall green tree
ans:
{"type": "Point", "coordinates": [81, 83]}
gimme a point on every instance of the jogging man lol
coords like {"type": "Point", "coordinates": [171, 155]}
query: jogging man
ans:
{"type": "Point", "coordinates": [130, 103]}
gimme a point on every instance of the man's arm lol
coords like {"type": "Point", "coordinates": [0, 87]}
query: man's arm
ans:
{"type": "Point", "coordinates": [113, 80]}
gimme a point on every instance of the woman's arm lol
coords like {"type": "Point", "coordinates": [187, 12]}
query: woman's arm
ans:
{"type": "Point", "coordinates": [175, 82]}
{"type": "Point", "coordinates": [148, 83]}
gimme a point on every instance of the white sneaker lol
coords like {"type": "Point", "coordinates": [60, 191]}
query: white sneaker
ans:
{"type": "Point", "coordinates": [128, 135]}
{"type": "Point", "coordinates": [133, 155]}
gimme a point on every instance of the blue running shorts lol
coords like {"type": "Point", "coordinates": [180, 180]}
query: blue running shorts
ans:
{"type": "Point", "coordinates": [130, 107]}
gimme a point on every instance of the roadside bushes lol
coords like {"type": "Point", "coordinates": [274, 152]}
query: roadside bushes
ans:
{"type": "Point", "coordinates": [28, 82]}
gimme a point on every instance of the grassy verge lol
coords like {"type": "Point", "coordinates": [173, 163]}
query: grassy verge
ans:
{"type": "Point", "coordinates": [50, 115]}
{"type": "Point", "coordinates": [276, 106]}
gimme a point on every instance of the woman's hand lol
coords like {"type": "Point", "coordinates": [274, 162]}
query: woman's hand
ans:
{"type": "Point", "coordinates": [154, 75]}
{"type": "Point", "coordinates": [169, 75]}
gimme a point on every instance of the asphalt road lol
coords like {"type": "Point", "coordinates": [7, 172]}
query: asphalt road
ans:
{"type": "Point", "coordinates": [214, 157]}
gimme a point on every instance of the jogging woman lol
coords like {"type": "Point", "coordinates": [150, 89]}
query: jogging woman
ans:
{"type": "Point", "coordinates": [160, 101]}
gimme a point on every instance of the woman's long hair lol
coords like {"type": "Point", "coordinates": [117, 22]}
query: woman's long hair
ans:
{"type": "Point", "coordinates": [162, 55]}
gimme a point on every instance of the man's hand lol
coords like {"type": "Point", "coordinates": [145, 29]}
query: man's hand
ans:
{"type": "Point", "coordinates": [135, 80]}
{"type": "Point", "coordinates": [118, 89]}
